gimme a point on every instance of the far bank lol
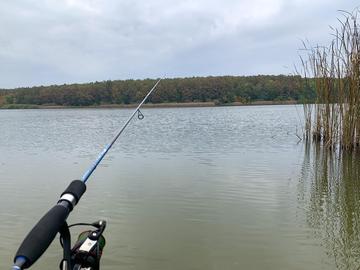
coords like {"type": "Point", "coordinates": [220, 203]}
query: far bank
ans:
{"type": "Point", "coordinates": [149, 105]}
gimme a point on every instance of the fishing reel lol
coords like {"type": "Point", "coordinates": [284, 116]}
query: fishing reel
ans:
{"type": "Point", "coordinates": [87, 251]}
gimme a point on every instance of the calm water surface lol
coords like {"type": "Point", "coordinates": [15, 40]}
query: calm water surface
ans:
{"type": "Point", "coordinates": [186, 188]}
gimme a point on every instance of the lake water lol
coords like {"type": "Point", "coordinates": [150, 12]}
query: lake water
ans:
{"type": "Point", "coordinates": [184, 188]}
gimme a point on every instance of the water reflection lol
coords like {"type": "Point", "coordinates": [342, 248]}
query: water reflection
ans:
{"type": "Point", "coordinates": [329, 192]}
{"type": "Point", "coordinates": [192, 188]}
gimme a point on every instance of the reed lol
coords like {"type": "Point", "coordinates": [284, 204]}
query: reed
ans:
{"type": "Point", "coordinates": [335, 69]}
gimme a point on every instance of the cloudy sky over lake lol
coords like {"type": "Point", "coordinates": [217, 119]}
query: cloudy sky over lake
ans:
{"type": "Point", "coordinates": [46, 42]}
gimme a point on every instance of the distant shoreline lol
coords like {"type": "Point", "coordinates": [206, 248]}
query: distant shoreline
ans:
{"type": "Point", "coordinates": [147, 105]}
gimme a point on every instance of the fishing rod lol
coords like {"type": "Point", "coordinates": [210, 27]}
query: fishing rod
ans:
{"type": "Point", "coordinates": [87, 251]}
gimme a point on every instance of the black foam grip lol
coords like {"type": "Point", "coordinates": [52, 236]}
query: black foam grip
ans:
{"type": "Point", "coordinates": [76, 188]}
{"type": "Point", "coordinates": [43, 233]}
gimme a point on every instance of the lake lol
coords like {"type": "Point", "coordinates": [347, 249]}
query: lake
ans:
{"type": "Point", "coordinates": [184, 188]}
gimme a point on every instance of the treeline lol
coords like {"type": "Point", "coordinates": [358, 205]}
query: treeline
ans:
{"type": "Point", "coordinates": [221, 90]}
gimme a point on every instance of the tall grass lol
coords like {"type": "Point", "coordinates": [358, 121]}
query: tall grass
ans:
{"type": "Point", "coordinates": [335, 69]}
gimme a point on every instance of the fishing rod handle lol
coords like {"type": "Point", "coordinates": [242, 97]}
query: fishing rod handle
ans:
{"type": "Point", "coordinates": [44, 232]}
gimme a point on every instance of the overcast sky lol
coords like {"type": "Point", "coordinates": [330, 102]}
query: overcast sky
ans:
{"type": "Point", "coordinates": [46, 42]}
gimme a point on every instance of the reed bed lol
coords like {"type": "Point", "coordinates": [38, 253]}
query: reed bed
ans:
{"type": "Point", "coordinates": [333, 120]}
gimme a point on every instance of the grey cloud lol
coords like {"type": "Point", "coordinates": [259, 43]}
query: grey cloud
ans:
{"type": "Point", "coordinates": [52, 41]}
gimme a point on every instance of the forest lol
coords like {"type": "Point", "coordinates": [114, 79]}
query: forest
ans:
{"type": "Point", "coordinates": [217, 89]}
